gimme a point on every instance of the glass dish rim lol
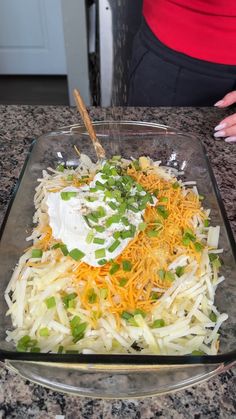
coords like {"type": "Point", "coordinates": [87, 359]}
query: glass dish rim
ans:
{"type": "Point", "coordinates": [151, 361]}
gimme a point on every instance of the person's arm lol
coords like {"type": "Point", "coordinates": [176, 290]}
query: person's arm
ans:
{"type": "Point", "coordinates": [227, 127]}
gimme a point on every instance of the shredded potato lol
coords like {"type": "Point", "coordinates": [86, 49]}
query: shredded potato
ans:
{"type": "Point", "coordinates": [161, 303]}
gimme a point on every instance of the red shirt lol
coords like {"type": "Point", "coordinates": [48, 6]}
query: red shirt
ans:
{"type": "Point", "coordinates": [203, 29]}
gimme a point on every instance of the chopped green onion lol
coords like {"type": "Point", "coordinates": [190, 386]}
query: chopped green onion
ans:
{"type": "Point", "coordinates": [186, 241]}
{"type": "Point", "coordinates": [216, 263]}
{"type": "Point", "coordinates": [50, 302]}
{"type": "Point", "coordinates": [175, 185]}
{"type": "Point", "coordinates": [126, 234]}
{"type": "Point", "coordinates": [201, 197]}
{"type": "Point", "coordinates": [102, 262]}
{"type": "Point", "coordinates": [92, 296]}
{"type": "Point", "coordinates": [162, 211]}
{"type": "Point", "coordinates": [198, 246]}
{"type": "Point", "coordinates": [77, 328]}
{"type": "Point", "coordinates": [111, 181]}
{"type": "Point", "coordinates": [91, 198]}
{"type": "Point", "coordinates": [93, 217]}
{"type": "Point", "coordinates": [44, 332]}
{"type": "Point", "coordinates": [170, 276]}
{"type": "Point", "coordinates": [163, 199]}
{"type": "Point", "coordinates": [213, 317]}
{"type": "Point", "coordinates": [101, 212]}
{"type": "Point", "coordinates": [197, 353]}
{"type": "Point", "coordinates": [76, 254]}
{"type": "Point", "coordinates": [179, 271]}
{"type": "Point", "coordinates": [99, 229]}
{"type": "Point", "coordinates": [154, 296]}
{"type": "Point", "coordinates": [126, 315]}
{"type": "Point", "coordinates": [132, 322]}
{"type": "Point", "coordinates": [156, 192]}
{"type": "Point", "coordinates": [158, 323]}
{"type": "Point", "coordinates": [133, 208]}
{"type": "Point", "coordinates": [90, 237]}
{"type": "Point", "coordinates": [56, 246]}
{"type": "Point", "coordinates": [114, 268]}
{"type": "Point", "coordinates": [142, 226]}
{"type": "Point", "coordinates": [97, 240]}
{"type": "Point", "coordinates": [113, 220]}
{"type": "Point", "coordinates": [100, 186]}
{"type": "Point", "coordinates": [114, 246]}
{"type": "Point", "coordinates": [206, 223]}
{"type": "Point", "coordinates": [67, 298]}
{"type": "Point", "coordinates": [116, 235]}
{"type": "Point", "coordinates": [127, 265]}
{"type": "Point", "coordinates": [112, 205]}
{"type": "Point", "coordinates": [64, 249]}
{"type": "Point", "coordinates": [70, 178]}
{"type": "Point", "coordinates": [66, 196]}
{"type": "Point", "coordinates": [93, 190]}
{"type": "Point", "coordinates": [36, 253]}
{"type": "Point", "coordinates": [141, 312]}
{"type": "Point", "coordinates": [109, 194]}
{"type": "Point", "coordinates": [152, 233]}
{"type": "Point", "coordinates": [35, 349]}
{"type": "Point", "coordinates": [75, 321]}
{"type": "Point", "coordinates": [100, 253]}
{"type": "Point", "coordinates": [212, 256]}
{"type": "Point", "coordinates": [123, 282]}
{"type": "Point", "coordinates": [122, 208]}
{"type": "Point", "coordinates": [131, 200]}
{"type": "Point", "coordinates": [125, 221]}
{"type": "Point", "coordinates": [139, 187]}
{"type": "Point", "coordinates": [23, 343]}
{"type": "Point", "coordinates": [215, 260]}
{"type": "Point", "coordinates": [135, 164]}
{"type": "Point", "coordinates": [60, 168]}
{"type": "Point", "coordinates": [187, 237]}
{"type": "Point", "coordinates": [114, 171]}
{"type": "Point", "coordinates": [161, 273]}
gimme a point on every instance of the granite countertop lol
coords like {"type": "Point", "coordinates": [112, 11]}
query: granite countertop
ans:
{"type": "Point", "coordinates": [21, 399]}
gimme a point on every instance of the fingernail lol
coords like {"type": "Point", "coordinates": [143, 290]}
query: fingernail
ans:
{"type": "Point", "coordinates": [219, 103]}
{"type": "Point", "coordinates": [220, 126]}
{"type": "Point", "coordinates": [230, 140]}
{"type": "Point", "coordinates": [219, 134]}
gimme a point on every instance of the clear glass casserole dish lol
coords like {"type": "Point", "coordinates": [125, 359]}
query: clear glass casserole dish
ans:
{"type": "Point", "coordinates": [117, 376]}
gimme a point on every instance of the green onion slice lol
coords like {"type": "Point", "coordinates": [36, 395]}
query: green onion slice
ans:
{"type": "Point", "coordinates": [127, 265]}
{"type": "Point", "coordinates": [36, 253]}
{"type": "Point", "coordinates": [76, 254]}
{"type": "Point", "coordinates": [50, 302]}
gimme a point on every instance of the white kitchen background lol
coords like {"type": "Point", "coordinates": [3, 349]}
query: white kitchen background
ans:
{"type": "Point", "coordinates": [59, 37]}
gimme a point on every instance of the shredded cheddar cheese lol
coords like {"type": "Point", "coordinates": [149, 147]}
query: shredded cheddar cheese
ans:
{"type": "Point", "coordinates": [124, 292]}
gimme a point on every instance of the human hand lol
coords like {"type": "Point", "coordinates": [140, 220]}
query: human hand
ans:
{"type": "Point", "coordinates": [227, 127]}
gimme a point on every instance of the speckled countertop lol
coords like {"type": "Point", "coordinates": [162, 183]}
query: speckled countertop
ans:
{"type": "Point", "coordinates": [21, 399]}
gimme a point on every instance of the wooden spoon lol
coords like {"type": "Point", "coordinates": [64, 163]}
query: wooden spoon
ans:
{"type": "Point", "coordinates": [100, 152]}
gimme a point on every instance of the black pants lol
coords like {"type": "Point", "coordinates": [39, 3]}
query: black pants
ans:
{"type": "Point", "coordinates": [160, 76]}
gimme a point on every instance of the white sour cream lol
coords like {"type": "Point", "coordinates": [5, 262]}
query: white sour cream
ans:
{"type": "Point", "coordinates": [66, 218]}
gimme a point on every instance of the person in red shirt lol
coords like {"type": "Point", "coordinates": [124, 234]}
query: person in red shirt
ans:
{"type": "Point", "coordinates": [185, 55]}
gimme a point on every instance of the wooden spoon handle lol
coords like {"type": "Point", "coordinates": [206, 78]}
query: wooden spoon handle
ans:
{"type": "Point", "coordinates": [88, 124]}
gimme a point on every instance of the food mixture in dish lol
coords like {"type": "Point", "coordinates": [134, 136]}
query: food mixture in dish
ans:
{"type": "Point", "coordinates": [123, 260]}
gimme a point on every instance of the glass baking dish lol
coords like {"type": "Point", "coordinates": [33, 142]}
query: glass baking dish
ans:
{"type": "Point", "coordinates": [113, 376]}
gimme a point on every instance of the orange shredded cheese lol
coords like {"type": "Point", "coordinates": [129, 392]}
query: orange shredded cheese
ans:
{"type": "Point", "coordinates": [147, 255]}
